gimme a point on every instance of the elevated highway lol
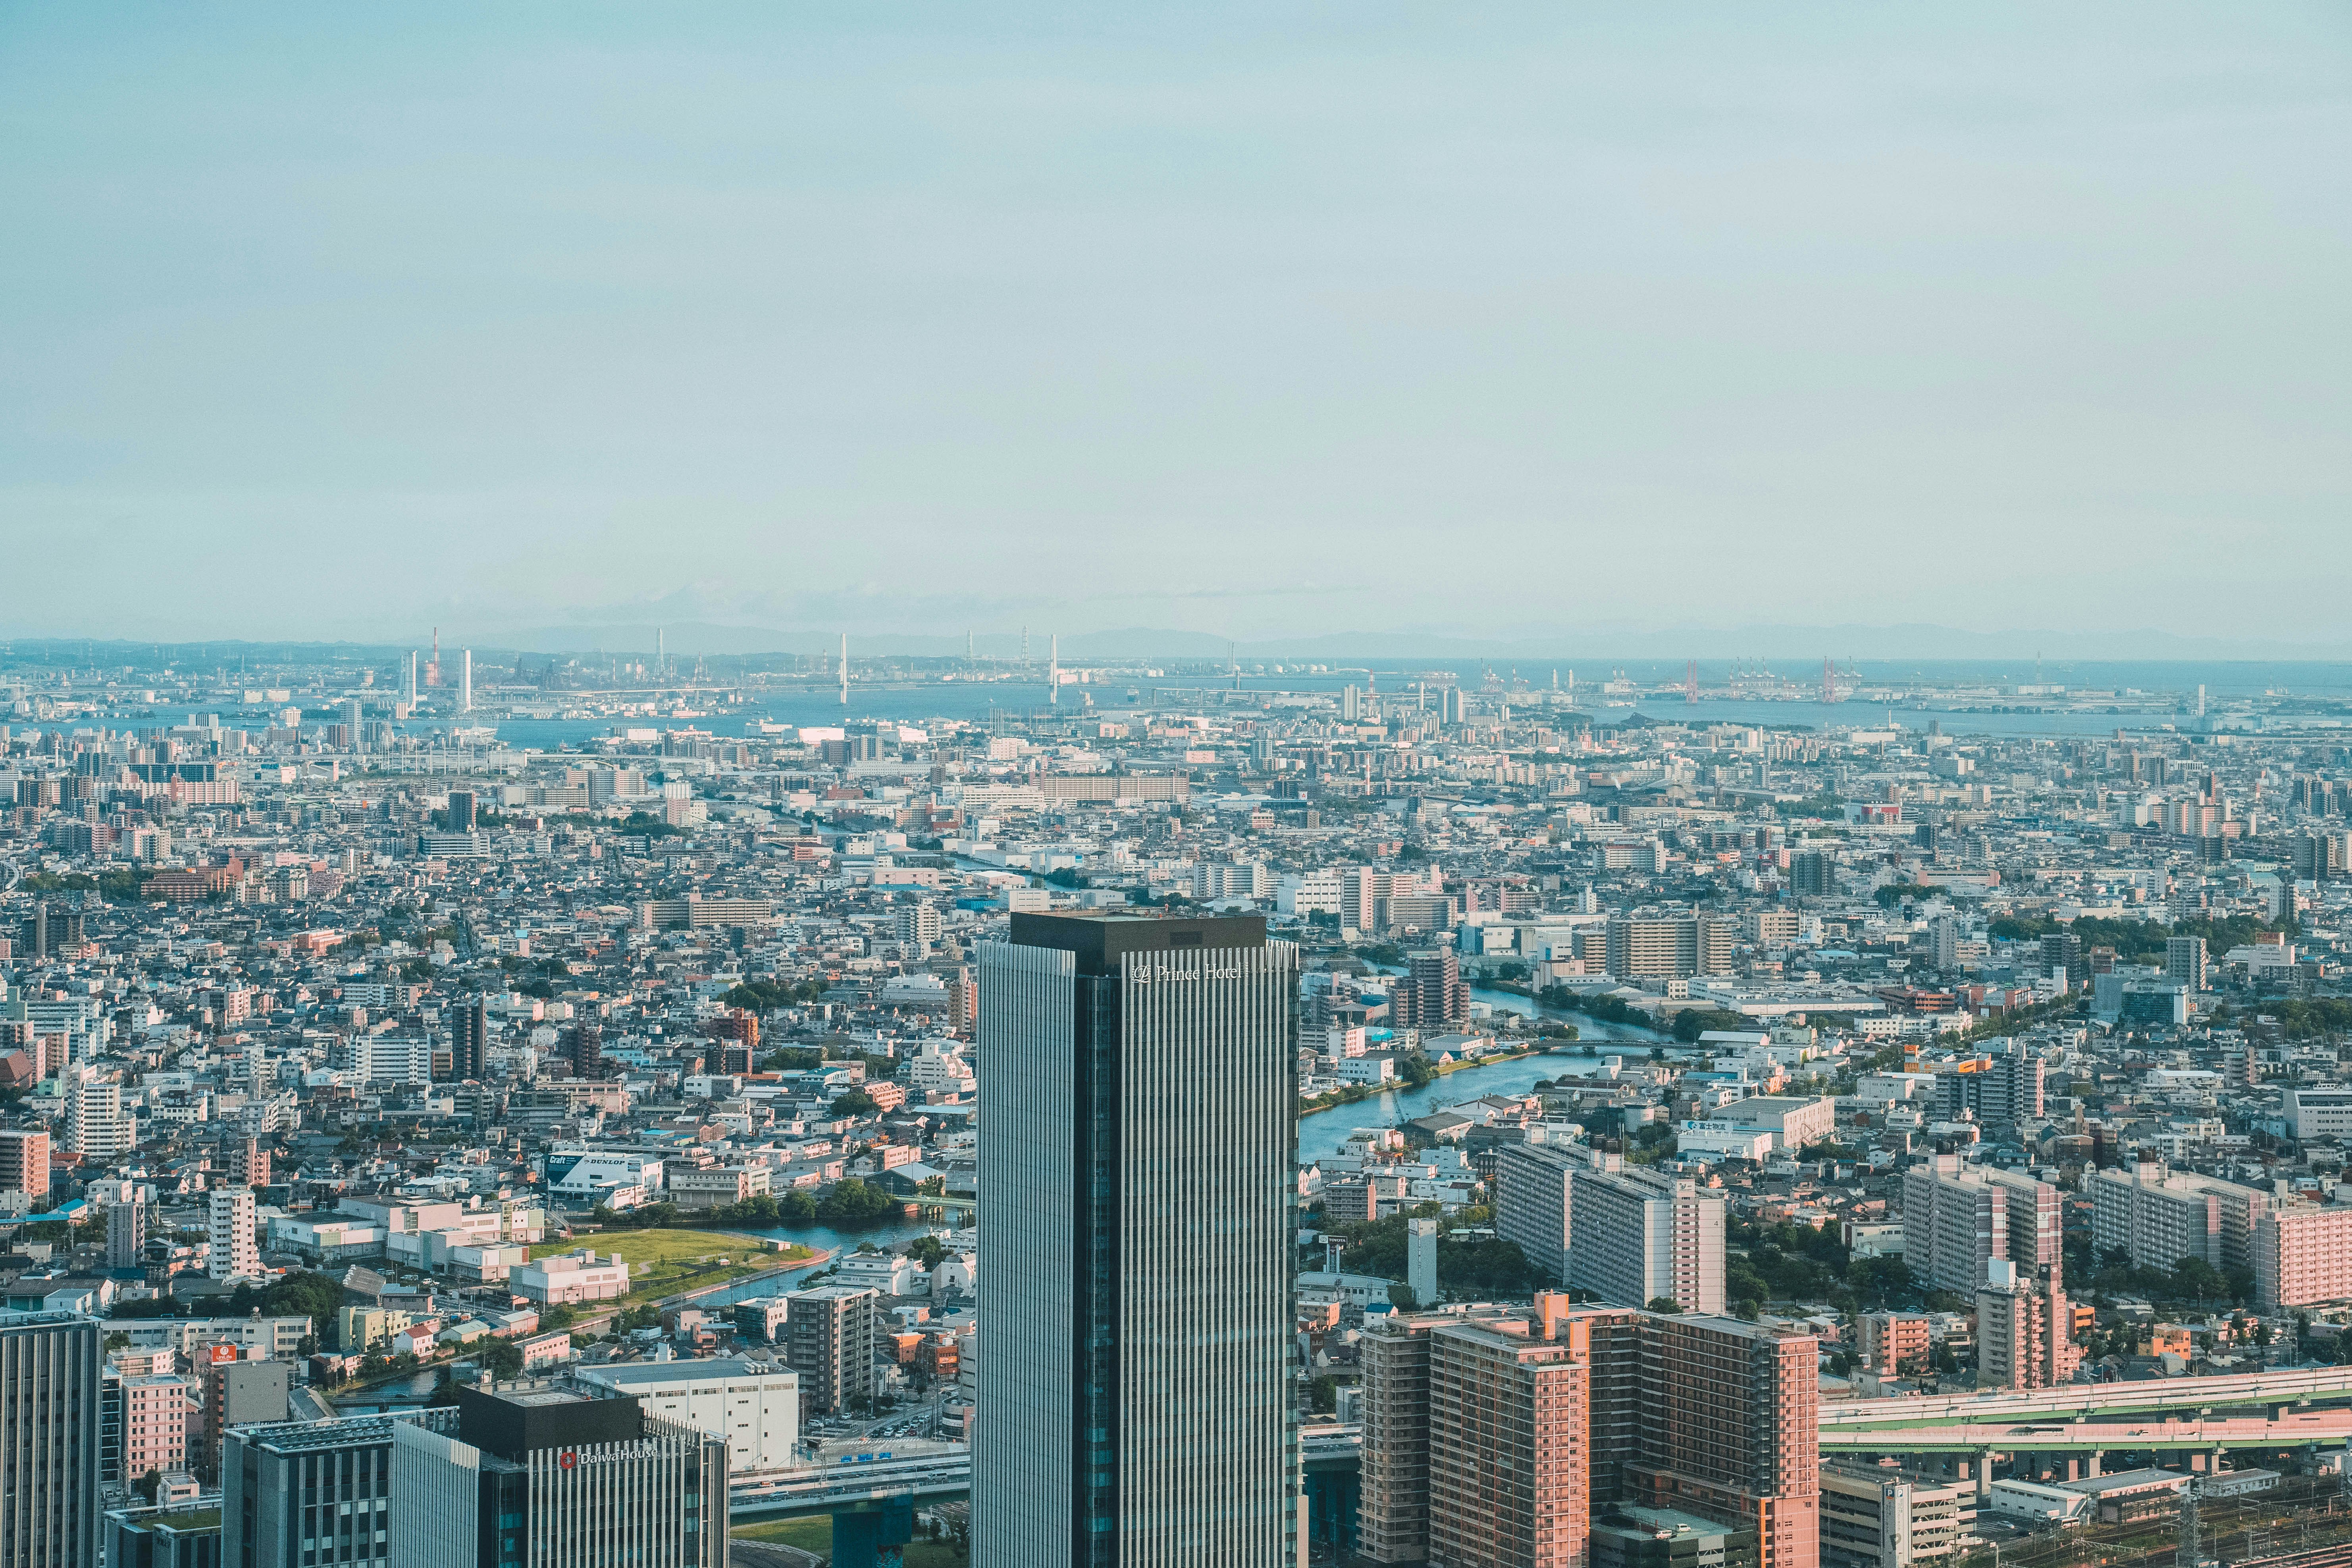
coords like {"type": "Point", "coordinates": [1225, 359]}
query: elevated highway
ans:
{"type": "Point", "coordinates": [872, 1503]}
{"type": "Point", "coordinates": [837, 1488]}
{"type": "Point", "coordinates": [2331, 1427]}
{"type": "Point", "coordinates": [2294, 1388]}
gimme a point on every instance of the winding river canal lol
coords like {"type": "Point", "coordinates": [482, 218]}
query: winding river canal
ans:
{"type": "Point", "coordinates": [1321, 1132]}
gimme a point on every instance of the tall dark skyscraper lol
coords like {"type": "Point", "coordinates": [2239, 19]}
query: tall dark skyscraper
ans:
{"type": "Point", "coordinates": [1138, 1122]}
{"type": "Point", "coordinates": [469, 1037]}
{"type": "Point", "coordinates": [48, 1440]}
{"type": "Point", "coordinates": [461, 811]}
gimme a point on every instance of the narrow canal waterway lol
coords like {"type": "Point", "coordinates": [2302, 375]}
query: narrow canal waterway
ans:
{"type": "Point", "coordinates": [1321, 1132]}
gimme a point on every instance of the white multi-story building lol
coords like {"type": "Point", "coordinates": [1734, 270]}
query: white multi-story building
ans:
{"type": "Point", "coordinates": [1629, 1235]}
{"type": "Point", "coordinates": [325, 1238]}
{"type": "Point", "coordinates": [1230, 879]}
{"type": "Point", "coordinates": [235, 1254]}
{"type": "Point", "coordinates": [393, 1059]}
{"type": "Point", "coordinates": [593, 1173]}
{"type": "Point", "coordinates": [96, 1123]}
{"type": "Point", "coordinates": [571, 1277]}
{"type": "Point", "coordinates": [2318, 1113]}
{"type": "Point", "coordinates": [938, 1066]}
{"type": "Point", "coordinates": [1792, 1121]}
{"type": "Point", "coordinates": [1316, 893]}
{"type": "Point", "coordinates": [756, 1408]}
{"type": "Point", "coordinates": [2162, 1218]}
{"type": "Point", "coordinates": [919, 925]}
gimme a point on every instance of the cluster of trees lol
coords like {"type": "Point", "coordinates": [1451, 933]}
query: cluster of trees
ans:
{"type": "Point", "coordinates": [1652, 1143]}
{"type": "Point", "coordinates": [300, 1294]}
{"type": "Point", "coordinates": [2135, 942]}
{"type": "Point", "coordinates": [846, 1204]}
{"type": "Point", "coordinates": [2192, 1279]}
{"type": "Point", "coordinates": [762, 995]}
{"type": "Point", "coordinates": [801, 1058]}
{"type": "Point", "coordinates": [1693, 1021]}
{"type": "Point", "coordinates": [1466, 1266]}
{"type": "Point", "coordinates": [1608, 1009]}
{"type": "Point", "coordinates": [118, 886]}
{"type": "Point", "coordinates": [2304, 1017]}
{"type": "Point", "coordinates": [1895, 894]}
{"type": "Point", "coordinates": [1802, 1263]}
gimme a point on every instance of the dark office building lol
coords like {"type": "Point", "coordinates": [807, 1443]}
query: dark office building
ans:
{"type": "Point", "coordinates": [585, 1047]}
{"type": "Point", "coordinates": [181, 1535]}
{"type": "Point", "coordinates": [469, 1037]}
{"type": "Point", "coordinates": [1430, 995]}
{"type": "Point", "coordinates": [49, 1414]}
{"type": "Point", "coordinates": [299, 1494]}
{"type": "Point", "coordinates": [535, 1475]}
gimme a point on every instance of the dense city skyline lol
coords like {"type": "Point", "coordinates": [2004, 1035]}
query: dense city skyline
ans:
{"type": "Point", "coordinates": [1225, 787]}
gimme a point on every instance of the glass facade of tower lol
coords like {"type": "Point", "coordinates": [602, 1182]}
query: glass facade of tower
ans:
{"type": "Point", "coordinates": [1138, 1135]}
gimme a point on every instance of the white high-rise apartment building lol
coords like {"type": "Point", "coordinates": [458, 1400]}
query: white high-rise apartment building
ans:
{"type": "Point", "coordinates": [1137, 1124]}
{"type": "Point", "coordinates": [96, 1123]}
{"type": "Point", "coordinates": [235, 1253]}
{"type": "Point", "coordinates": [1629, 1235]}
{"type": "Point", "coordinates": [919, 925]}
{"type": "Point", "coordinates": [1957, 1221]}
{"type": "Point", "coordinates": [2162, 1218]}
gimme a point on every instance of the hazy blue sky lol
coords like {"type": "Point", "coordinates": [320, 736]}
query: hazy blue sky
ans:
{"type": "Point", "coordinates": [1245, 320]}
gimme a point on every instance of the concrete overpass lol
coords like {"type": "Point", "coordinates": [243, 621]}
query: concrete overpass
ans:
{"type": "Point", "coordinates": [873, 1504]}
{"type": "Point", "coordinates": [2294, 1388]}
{"type": "Point", "coordinates": [2332, 1427]}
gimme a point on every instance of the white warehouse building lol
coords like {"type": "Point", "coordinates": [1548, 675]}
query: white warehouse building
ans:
{"type": "Point", "coordinates": [755, 1408]}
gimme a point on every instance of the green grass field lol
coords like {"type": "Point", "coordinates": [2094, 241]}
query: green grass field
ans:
{"type": "Point", "coordinates": [808, 1534]}
{"type": "Point", "coordinates": [816, 1535]}
{"type": "Point", "coordinates": [665, 1262]}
